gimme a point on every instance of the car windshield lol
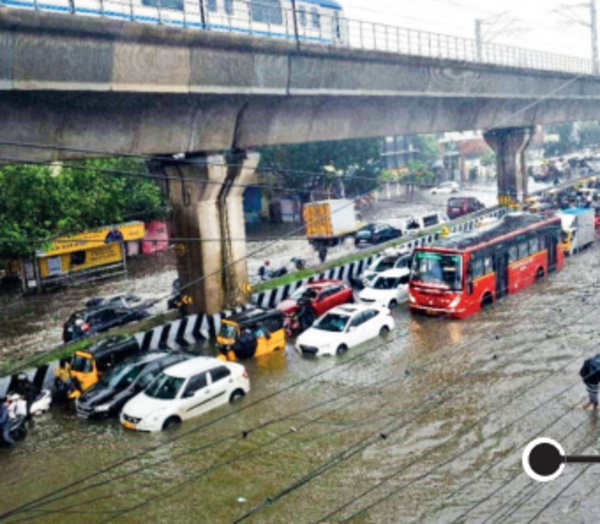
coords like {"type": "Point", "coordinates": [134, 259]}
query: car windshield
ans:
{"type": "Point", "coordinates": [165, 387]}
{"type": "Point", "coordinates": [438, 269]}
{"type": "Point", "coordinates": [227, 330]}
{"type": "Point", "coordinates": [455, 202]}
{"type": "Point", "coordinates": [384, 283]}
{"type": "Point", "coordinates": [303, 292]}
{"type": "Point", "coordinates": [122, 376]}
{"type": "Point", "coordinates": [383, 264]}
{"type": "Point", "coordinates": [332, 322]}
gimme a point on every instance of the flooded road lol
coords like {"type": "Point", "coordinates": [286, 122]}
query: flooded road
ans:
{"type": "Point", "coordinates": [425, 426]}
{"type": "Point", "coordinates": [33, 324]}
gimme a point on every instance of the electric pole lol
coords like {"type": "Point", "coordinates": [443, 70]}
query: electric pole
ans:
{"type": "Point", "coordinates": [594, 28]}
{"type": "Point", "coordinates": [479, 39]}
{"type": "Point", "coordinates": [573, 18]}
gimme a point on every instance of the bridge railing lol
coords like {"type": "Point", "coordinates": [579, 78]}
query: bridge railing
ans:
{"type": "Point", "coordinates": [307, 25]}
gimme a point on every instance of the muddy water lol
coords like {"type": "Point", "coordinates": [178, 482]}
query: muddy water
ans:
{"type": "Point", "coordinates": [456, 401]}
{"type": "Point", "coordinates": [33, 324]}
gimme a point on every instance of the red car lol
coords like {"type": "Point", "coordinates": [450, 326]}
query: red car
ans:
{"type": "Point", "coordinates": [323, 294]}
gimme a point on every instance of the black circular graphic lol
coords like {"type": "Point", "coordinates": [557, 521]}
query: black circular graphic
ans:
{"type": "Point", "coordinates": [545, 459]}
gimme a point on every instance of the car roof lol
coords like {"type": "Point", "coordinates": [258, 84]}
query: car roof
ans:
{"type": "Point", "coordinates": [195, 365]}
{"type": "Point", "coordinates": [318, 284]}
{"type": "Point", "coordinates": [349, 309]}
{"type": "Point", "coordinates": [394, 273]}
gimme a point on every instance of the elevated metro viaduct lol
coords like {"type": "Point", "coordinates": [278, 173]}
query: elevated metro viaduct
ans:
{"type": "Point", "coordinates": [92, 86]}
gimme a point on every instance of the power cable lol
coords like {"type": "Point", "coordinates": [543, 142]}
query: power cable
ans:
{"type": "Point", "coordinates": [200, 427]}
{"type": "Point", "coordinates": [361, 445]}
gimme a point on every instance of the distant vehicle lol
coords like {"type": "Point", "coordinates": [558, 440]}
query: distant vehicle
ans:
{"type": "Point", "coordinates": [113, 300]}
{"type": "Point", "coordinates": [184, 391]}
{"type": "Point", "coordinates": [127, 379]}
{"type": "Point", "coordinates": [376, 233]}
{"type": "Point", "coordinates": [99, 319]}
{"type": "Point", "coordinates": [388, 260]}
{"type": "Point", "coordinates": [417, 223]}
{"type": "Point", "coordinates": [322, 294]}
{"type": "Point", "coordinates": [330, 222]}
{"type": "Point", "coordinates": [578, 227]}
{"type": "Point", "coordinates": [345, 327]}
{"type": "Point", "coordinates": [463, 273]}
{"type": "Point", "coordinates": [445, 188]}
{"type": "Point", "coordinates": [460, 206]}
{"type": "Point", "coordinates": [388, 289]}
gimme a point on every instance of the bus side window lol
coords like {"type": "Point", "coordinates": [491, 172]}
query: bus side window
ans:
{"type": "Point", "coordinates": [513, 254]}
{"type": "Point", "coordinates": [487, 265]}
{"type": "Point", "coordinates": [477, 268]}
{"type": "Point", "coordinates": [523, 249]}
{"type": "Point", "coordinates": [534, 245]}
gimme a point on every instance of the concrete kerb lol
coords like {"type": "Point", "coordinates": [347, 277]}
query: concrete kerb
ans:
{"type": "Point", "coordinates": [270, 298]}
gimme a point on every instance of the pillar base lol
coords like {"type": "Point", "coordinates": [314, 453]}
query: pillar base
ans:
{"type": "Point", "coordinates": [510, 145]}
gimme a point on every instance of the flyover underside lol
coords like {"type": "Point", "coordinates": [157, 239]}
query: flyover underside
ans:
{"type": "Point", "coordinates": [155, 124]}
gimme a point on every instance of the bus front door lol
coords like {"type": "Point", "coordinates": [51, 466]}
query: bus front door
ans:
{"type": "Point", "coordinates": [501, 270]}
{"type": "Point", "coordinates": [551, 249]}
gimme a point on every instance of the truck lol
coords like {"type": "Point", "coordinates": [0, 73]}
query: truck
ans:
{"type": "Point", "coordinates": [330, 222]}
{"type": "Point", "coordinates": [578, 229]}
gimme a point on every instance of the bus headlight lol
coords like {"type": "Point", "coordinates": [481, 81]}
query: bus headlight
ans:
{"type": "Point", "coordinates": [412, 299]}
{"type": "Point", "coordinates": [454, 303]}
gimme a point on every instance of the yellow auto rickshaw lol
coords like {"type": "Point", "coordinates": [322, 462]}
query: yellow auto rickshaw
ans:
{"type": "Point", "coordinates": [253, 333]}
{"type": "Point", "coordinates": [88, 365]}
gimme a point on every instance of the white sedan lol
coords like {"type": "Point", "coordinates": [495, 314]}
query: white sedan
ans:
{"type": "Point", "coordinates": [183, 391]}
{"type": "Point", "coordinates": [445, 188]}
{"type": "Point", "coordinates": [344, 327]}
{"type": "Point", "coordinates": [388, 289]}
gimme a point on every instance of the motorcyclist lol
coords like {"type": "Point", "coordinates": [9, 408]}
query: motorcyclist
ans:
{"type": "Point", "coordinates": [264, 272]}
{"type": "Point", "coordinates": [62, 377]}
{"type": "Point", "coordinates": [24, 387]}
{"type": "Point", "coordinates": [5, 422]}
{"type": "Point", "coordinates": [305, 313]}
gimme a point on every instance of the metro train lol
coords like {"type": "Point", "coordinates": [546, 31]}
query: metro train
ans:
{"type": "Point", "coordinates": [318, 21]}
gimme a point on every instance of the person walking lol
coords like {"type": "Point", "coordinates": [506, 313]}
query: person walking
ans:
{"type": "Point", "coordinates": [322, 251]}
{"type": "Point", "coordinates": [590, 374]}
{"type": "Point", "coordinates": [5, 422]}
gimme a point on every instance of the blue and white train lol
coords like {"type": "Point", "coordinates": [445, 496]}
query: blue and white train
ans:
{"type": "Point", "coordinates": [316, 20]}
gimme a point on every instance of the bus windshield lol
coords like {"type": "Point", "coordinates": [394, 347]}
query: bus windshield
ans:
{"type": "Point", "coordinates": [438, 270]}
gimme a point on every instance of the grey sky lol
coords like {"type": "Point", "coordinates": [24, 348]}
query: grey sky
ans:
{"type": "Point", "coordinates": [457, 17]}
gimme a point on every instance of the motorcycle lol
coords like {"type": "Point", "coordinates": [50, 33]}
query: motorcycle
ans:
{"type": "Point", "coordinates": [299, 263]}
{"type": "Point", "coordinates": [291, 325]}
{"type": "Point", "coordinates": [39, 406]}
{"type": "Point", "coordinates": [17, 415]}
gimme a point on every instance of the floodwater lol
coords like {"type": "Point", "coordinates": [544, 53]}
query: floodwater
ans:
{"type": "Point", "coordinates": [425, 426]}
{"type": "Point", "coordinates": [33, 324]}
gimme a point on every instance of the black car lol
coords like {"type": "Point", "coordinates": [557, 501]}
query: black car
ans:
{"type": "Point", "coordinates": [376, 234]}
{"type": "Point", "coordinates": [98, 319]}
{"type": "Point", "coordinates": [127, 379]}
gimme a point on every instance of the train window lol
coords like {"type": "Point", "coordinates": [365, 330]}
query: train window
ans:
{"type": "Point", "coordinates": [523, 249]}
{"type": "Point", "coordinates": [266, 12]}
{"type": "Point", "coordinates": [212, 5]}
{"type": "Point", "coordinates": [229, 7]}
{"type": "Point", "coordinates": [175, 5]}
{"type": "Point", "coordinates": [302, 15]}
{"type": "Point", "coordinates": [315, 18]}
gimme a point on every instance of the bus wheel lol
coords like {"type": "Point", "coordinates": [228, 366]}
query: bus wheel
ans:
{"type": "Point", "coordinates": [540, 274]}
{"type": "Point", "coordinates": [488, 300]}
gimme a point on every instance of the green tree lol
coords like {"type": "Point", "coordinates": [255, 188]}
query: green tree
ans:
{"type": "Point", "coordinates": [41, 202]}
{"type": "Point", "coordinates": [353, 164]}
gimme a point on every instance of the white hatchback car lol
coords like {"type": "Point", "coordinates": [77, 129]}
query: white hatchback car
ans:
{"type": "Point", "coordinates": [445, 188]}
{"type": "Point", "coordinates": [344, 327]}
{"type": "Point", "coordinates": [388, 289]}
{"type": "Point", "coordinates": [183, 391]}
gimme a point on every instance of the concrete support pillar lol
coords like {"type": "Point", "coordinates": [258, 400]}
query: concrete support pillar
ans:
{"type": "Point", "coordinates": [510, 145]}
{"type": "Point", "coordinates": [207, 205]}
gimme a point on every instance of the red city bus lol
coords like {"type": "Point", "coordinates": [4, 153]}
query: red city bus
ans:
{"type": "Point", "coordinates": [459, 275]}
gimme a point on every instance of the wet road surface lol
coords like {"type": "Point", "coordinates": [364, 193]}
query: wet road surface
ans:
{"type": "Point", "coordinates": [427, 425]}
